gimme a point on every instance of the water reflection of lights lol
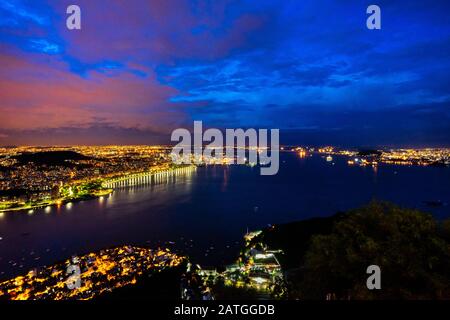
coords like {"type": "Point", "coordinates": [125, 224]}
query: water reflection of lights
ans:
{"type": "Point", "coordinates": [225, 179]}
{"type": "Point", "coordinates": [165, 177]}
{"type": "Point", "coordinates": [2, 214]}
{"type": "Point", "coordinates": [48, 209]}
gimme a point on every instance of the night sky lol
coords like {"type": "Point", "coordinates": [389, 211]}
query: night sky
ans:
{"type": "Point", "coordinates": [139, 69]}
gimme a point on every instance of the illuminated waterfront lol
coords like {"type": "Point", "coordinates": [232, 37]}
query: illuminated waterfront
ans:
{"type": "Point", "coordinates": [205, 212]}
{"type": "Point", "coordinates": [34, 177]}
{"type": "Point", "coordinates": [148, 177]}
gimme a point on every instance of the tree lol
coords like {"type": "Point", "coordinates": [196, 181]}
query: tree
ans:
{"type": "Point", "coordinates": [409, 246]}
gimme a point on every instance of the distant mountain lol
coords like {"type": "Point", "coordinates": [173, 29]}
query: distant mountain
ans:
{"type": "Point", "coordinates": [368, 152]}
{"type": "Point", "coordinates": [55, 158]}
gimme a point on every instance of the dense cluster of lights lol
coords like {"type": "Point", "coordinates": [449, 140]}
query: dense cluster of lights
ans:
{"type": "Point", "coordinates": [256, 268]}
{"type": "Point", "coordinates": [417, 156]}
{"type": "Point", "coordinates": [99, 273]}
{"type": "Point", "coordinates": [32, 185]}
{"type": "Point", "coordinates": [421, 157]}
{"type": "Point", "coordinates": [102, 161]}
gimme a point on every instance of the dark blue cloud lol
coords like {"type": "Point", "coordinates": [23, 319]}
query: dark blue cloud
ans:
{"type": "Point", "coordinates": [317, 66]}
{"type": "Point", "coordinates": [16, 11]}
{"type": "Point", "coordinates": [310, 68]}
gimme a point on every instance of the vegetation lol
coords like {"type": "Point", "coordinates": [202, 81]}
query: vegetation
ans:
{"type": "Point", "coordinates": [293, 238]}
{"type": "Point", "coordinates": [410, 247]}
{"type": "Point", "coordinates": [328, 257]}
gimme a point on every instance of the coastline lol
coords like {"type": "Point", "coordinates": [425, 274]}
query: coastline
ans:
{"type": "Point", "coordinates": [57, 203]}
{"type": "Point", "coordinates": [97, 193]}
